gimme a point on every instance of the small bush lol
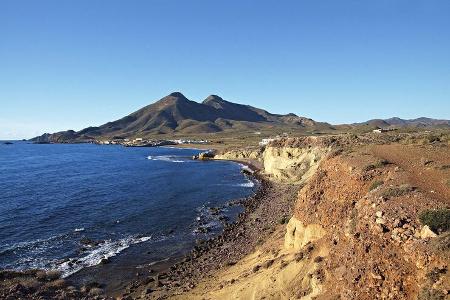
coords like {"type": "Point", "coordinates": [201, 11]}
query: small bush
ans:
{"type": "Point", "coordinates": [435, 274]}
{"type": "Point", "coordinates": [375, 184]}
{"type": "Point", "coordinates": [430, 294]}
{"type": "Point", "coordinates": [433, 139]}
{"type": "Point", "coordinates": [378, 164]}
{"type": "Point", "coordinates": [438, 220]}
{"type": "Point", "coordinates": [397, 191]}
{"type": "Point", "coordinates": [283, 220]}
{"type": "Point", "coordinates": [381, 163]}
{"type": "Point", "coordinates": [369, 167]}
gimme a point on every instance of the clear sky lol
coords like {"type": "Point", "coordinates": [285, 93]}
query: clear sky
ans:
{"type": "Point", "coordinates": [70, 64]}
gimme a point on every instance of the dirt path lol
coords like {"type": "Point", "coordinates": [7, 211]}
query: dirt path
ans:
{"type": "Point", "coordinates": [428, 167]}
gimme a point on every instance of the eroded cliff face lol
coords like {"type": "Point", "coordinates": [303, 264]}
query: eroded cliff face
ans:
{"type": "Point", "coordinates": [284, 163]}
{"type": "Point", "coordinates": [244, 154]}
{"type": "Point", "coordinates": [354, 234]}
{"type": "Point", "coordinates": [292, 165]}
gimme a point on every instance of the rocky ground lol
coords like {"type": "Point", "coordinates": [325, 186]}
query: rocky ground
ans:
{"type": "Point", "coordinates": [371, 223]}
{"type": "Point", "coordinates": [38, 284]}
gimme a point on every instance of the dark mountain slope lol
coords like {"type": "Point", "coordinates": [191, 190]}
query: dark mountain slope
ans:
{"type": "Point", "coordinates": [175, 114]}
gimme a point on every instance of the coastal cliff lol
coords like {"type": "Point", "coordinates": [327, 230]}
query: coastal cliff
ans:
{"type": "Point", "coordinates": [284, 163]}
{"type": "Point", "coordinates": [357, 229]}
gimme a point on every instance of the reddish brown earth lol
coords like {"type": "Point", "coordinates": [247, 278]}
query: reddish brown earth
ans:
{"type": "Point", "coordinates": [427, 166]}
{"type": "Point", "coordinates": [366, 196]}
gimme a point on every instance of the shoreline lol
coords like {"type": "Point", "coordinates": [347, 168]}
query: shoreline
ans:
{"type": "Point", "coordinates": [157, 271]}
{"type": "Point", "coordinates": [263, 212]}
{"type": "Point", "coordinates": [153, 268]}
{"type": "Point", "coordinates": [125, 277]}
{"type": "Point", "coordinates": [115, 286]}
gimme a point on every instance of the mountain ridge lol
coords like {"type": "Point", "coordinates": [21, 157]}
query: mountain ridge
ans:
{"type": "Point", "coordinates": [176, 114]}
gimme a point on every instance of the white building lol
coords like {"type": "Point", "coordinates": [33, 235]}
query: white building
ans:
{"type": "Point", "coordinates": [266, 141]}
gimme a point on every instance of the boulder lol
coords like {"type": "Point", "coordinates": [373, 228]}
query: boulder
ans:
{"type": "Point", "coordinates": [426, 233]}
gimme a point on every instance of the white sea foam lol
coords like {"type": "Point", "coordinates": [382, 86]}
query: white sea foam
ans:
{"type": "Point", "coordinates": [185, 148]}
{"type": "Point", "coordinates": [166, 158]}
{"type": "Point", "coordinates": [78, 229]}
{"type": "Point", "coordinates": [248, 184]}
{"type": "Point", "coordinates": [30, 244]}
{"type": "Point", "coordinates": [94, 257]}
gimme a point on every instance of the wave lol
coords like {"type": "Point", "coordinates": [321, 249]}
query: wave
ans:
{"type": "Point", "coordinates": [95, 256]}
{"type": "Point", "coordinates": [30, 244]}
{"type": "Point", "coordinates": [248, 184]}
{"type": "Point", "coordinates": [167, 158]}
{"type": "Point", "coordinates": [185, 148]}
{"type": "Point", "coordinates": [207, 219]}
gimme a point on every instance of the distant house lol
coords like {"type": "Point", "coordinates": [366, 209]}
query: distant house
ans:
{"type": "Point", "coordinates": [138, 139]}
{"type": "Point", "coordinates": [266, 141]}
{"type": "Point", "coordinates": [381, 130]}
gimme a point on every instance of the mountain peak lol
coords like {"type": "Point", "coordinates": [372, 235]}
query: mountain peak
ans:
{"type": "Point", "coordinates": [174, 97]}
{"type": "Point", "coordinates": [213, 98]}
{"type": "Point", "coordinates": [177, 95]}
{"type": "Point", "coordinates": [175, 113]}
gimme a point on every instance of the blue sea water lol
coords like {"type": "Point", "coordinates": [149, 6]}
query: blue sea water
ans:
{"type": "Point", "coordinates": [54, 197]}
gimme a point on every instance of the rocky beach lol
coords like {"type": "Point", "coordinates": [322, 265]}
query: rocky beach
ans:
{"type": "Point", "coordinates": [264, 212]}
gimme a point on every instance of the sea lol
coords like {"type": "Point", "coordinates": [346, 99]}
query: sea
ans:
{"type": "Point", "coordinates": [73, 206]}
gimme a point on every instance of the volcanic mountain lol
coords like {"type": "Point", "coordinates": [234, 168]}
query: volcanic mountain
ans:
{"type": "Point", "coordinates": [175, 114]}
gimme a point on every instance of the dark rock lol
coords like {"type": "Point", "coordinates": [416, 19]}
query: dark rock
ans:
{"type": "Point", "coordinates": [267, 263]}
{"type": "Point", "coordinates": [105, 261]}
{"type": "Point", "coordinates": [89, 242]}
{"type": "Point", "coordinates": [299, 256]}
{"type": "Point", "coordinates": [318, 259]}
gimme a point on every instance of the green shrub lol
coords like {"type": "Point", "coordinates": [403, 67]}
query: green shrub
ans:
{"type": "Point", "coordinates": [378, 164]}
{"type": "Point", "coordinates": [375, 184]}
{"type": "Point", "coordinates": [438, 220]}
{"type": "Point", "coordinates": [397, 191]}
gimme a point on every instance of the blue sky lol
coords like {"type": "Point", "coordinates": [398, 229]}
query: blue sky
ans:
{"type": "Point", "coordinates": [70, 64]}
